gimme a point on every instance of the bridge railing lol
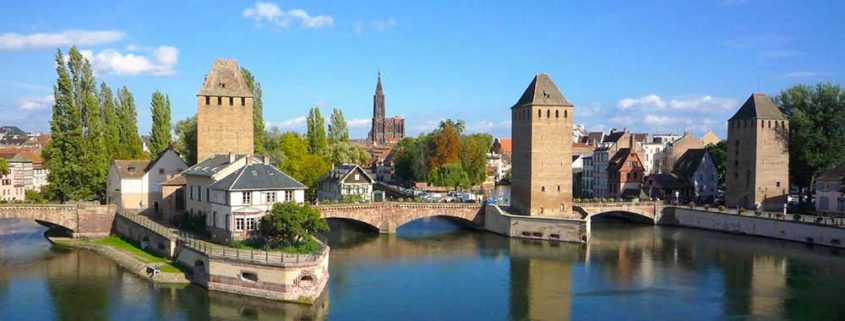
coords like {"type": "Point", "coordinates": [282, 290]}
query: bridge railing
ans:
{"type": "Point", "coordinates": [838, 222]}
{"type": "Point", "coordinates": [218, 251]}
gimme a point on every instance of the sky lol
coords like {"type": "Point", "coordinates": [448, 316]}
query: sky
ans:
{"type": "Point", "coordinates": [648, 66]}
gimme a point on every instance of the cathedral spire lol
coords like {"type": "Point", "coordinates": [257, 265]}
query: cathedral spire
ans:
{"type": "Point", "coordinates": [378, 85]}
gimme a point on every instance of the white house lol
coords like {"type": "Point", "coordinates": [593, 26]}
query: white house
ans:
{"type": "Point", "coordinates": [345, 181]}
{"type": "Point", "coordinates": [829, 197]}
{"type": "Point", "coordinates": [136, 184]}
{"type": "Point", "coordinates": [696, 167]}
{"type": "Point", "coordinates": [239, 200]}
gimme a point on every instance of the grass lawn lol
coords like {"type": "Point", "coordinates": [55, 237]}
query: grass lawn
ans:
{"type": "Point", "coordinates": [309, 246]}
{"type": "Point", "coordinates": [146, 257]}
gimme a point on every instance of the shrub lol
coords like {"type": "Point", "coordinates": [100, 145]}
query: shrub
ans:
{"type": "Point", "coordinates": [691, 204]}
{"type": "Point", "coordinates": [796, 217]}
{"type": "Point", "coordinates": [721, 208]}
{"type": "Point", "coordinates": [401, 200]}
{"type": "Point", "coordinates": [707, 207]}
{"type": "Point", "coordinates": [758, 213]}
{"type": "Point", "coordinates": [289, 224]}
{"type": "Point", "coordinates": [577, 200]}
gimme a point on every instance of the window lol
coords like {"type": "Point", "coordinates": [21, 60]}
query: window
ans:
{"type": "Point", "coordinates": [247, 198]}
{"type": "Point", "coordinates": [239, 224]}
{"type": "Point", "coordinates": [842, 204]}
{"type": "Point", "coordinates": [208, 100]}
{"type": "Point", "coordinates": [250, 223]}
{"type": "Point", "coordinates": [548, 113]}
{"type": "Point", "coordinates": [288, 196]}
{"type": "Point", "coordinates": [243, 101]}
{"type": "Point", "coordinates": [214, 219]}
{"type": "Point", "coordinates": [161, 171]}
{"type": "Point", "coordinates": [565, 114]}
{"type": "Point", "coordinates": [542, 188]}
{"type": "Point", "coordinates": [208, 195]}
{"type": "Point", "coordinates": [231, 101]}
{"type": "Point", "coordinates": [199, 193]}
{"type": "Point", "coordinates": [823, 203]}
{"type": "Point", "coordinates": [557, 114]}
{"type": "Point", "coordinates": [357, 177]}
{"type": "Point", "coordinates": [271, 197]}
{"type": "Point", "coordinates": [777, 184]}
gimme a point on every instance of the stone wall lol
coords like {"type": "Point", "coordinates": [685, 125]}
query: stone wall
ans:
{"type": "Point", "coordinates": [84, 220]}
{"type": "Point", "coordinates": [498, 221]}
{"type": "Point", "coordinates": [758, 226]}
{"type": "Point", "coordinates": [387, 217]}
{"type": "Point", "coordinates": [160, 243]}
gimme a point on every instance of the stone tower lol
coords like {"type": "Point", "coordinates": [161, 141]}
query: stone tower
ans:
{"type": "Point", "coordinates": [541, 183]}
{"type": "Point", "coordinates": [758, 160]}
{"type": "Point", "coordinates": [384, 130]}
{"type": "Point", "coordinates": [224, 112]}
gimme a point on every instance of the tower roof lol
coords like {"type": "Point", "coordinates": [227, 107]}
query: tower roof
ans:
{"type": "Point", "coordinates": [379, 90]}
{"type": "Point", "coordinates": [225, 79]}
{"type": "Point", "coordinates": [758, 106]}
{"type": "Point", "coordinates": [542, 92]}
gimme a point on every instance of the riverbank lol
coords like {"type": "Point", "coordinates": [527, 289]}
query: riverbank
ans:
{"type": "Point", "coordinates": [129, 257]}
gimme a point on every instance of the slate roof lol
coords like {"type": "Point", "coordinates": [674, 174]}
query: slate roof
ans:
{"type": "Point", "coordinates": [340, 172]}
{"type": "Point", "coordinates": [257, 177]}
{"type": "Point", "coordinates": [640, 137]}
{"type": "Point", "coordinates": [542, 92]}
{"type": "Point", "coordinates": [593, 138]}
{"type": "Point", "coordinates": [225, 79]}
{"type": "Point", "coordinates": [613, 137]}
{"type": "Point", "coordinates": [618, 159]}
{"type": "Point", "coordinates": [833, 174]}
{"type": "Point", "coordinates": [758, 106]}
{"type": "Point", "coordinates": [689, 162]}
{"type": "Point", "coordinates": [132, 168]}
{"type": "Point", "coordinates": [211, 165]}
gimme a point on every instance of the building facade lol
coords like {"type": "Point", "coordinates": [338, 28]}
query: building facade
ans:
{"type": "Point", "coordinates": [697, 168]}
{"type": "Point", "coordinates": [224, 112]}
{"type": "Point", "coordinates": [587, 177]}
{"type": "Point", "coordinates": [542, 151]}
{"type": "Point", "coordinates": [384, 130]}
{"type": "Point", "coordinates": [345, 182]}
{"type": "Point", "coordinates": [757, 173]}
{"type": "Point", "coordinates": [136, 184]}
{"type": "Point", "coordinates": [674, 150]}
{"type": "Point", "coordinates": [625, 174]}
{"type": "Point", "coordinates": [830, 199]}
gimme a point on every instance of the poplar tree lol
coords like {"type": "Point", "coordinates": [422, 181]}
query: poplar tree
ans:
{"type": "Point", "coordinates": [316, 134]}
{"type": "Point", "coordinates": [130, 142]}
{"type": "Point", "coordinates": [111, 132]}
{"type": "Point", "coordinates": [160, 137]}
{"type": "Point", "coordinates": [95, 158]}
{"type": "Point", "coordinates": [338, 131]}
{"type": "Point", "coordinates": [257, 111]}
{"type": "Point", "coordinates": [62, 156]}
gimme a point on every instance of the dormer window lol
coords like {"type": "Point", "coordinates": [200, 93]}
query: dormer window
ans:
{"type": "Point", "coordinates": [222, 85]}
{"type": "Point", "coordinates": [131, 169]}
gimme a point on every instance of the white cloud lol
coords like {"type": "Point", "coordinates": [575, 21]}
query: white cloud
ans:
{"type": "Point", "coordinates": [384, 24]}
{"type": "Point", "coordinates": [802, 74]}
{"type": "Point", "coordinates": [293, 123]}
{"type": "Point", "coordinates": [160, 62]}
{"type": "Point", "coordinates": [35, 103]}
{"type": "Point", "coordinates": [656, 120]}
{"type": "Point", "coordinates": [358, 122]}
{"type": "Point", "coordinates": [359, 27]}
{"type": "Point", "coordinates": [619, 120]}
{"type": "Point", "coordinates": [271, 13]}
{"type": "Point", "coordinates": [704, 103]}
{"type": "Point", "coordinates": [16, 41]}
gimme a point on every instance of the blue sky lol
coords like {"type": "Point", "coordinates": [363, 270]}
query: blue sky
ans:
{"type": "Point", "coordinates": [654, 66]}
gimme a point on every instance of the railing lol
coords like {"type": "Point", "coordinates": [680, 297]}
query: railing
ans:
{"type": "Point", "coordinates": [221, 251]}
{"type": "Point", "coordinates": [838, 222]}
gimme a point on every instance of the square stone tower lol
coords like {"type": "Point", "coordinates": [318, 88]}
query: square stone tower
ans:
{"type": "Point", "coordinates": [541, 125]}
{"type": "Point", "coordinates": [757, 169]}
{"type": "Point", "coordinates": [224, 112]}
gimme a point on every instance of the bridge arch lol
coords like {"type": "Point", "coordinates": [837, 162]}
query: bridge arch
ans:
{"type": "Point", "coordinates": [643, 211]}
{"type": "Point", "coordinates": [354, 221]}
{"type": "Point", "coordinates": [386, 217]}
{"type": "Point", "coordinates": [458, 219]}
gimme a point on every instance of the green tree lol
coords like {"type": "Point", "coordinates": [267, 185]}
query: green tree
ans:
{"type": "Point", "coordinates": [404, 154]}
{"type": "Point", "coordinates": [316, 133]}
{"type": "Point", "coordinates": [474, 156]}
{"type": "Point", "coordinates": [111, 130]}
{"type": "Point", "coordinates": [347, 153]}
{"type": "Point", "coordinates": [816, 129]}
{"type": "Point", "coordinates": [451, 175]}
{"type": "Point", "coordinates": [289, 224]}
{"type": "Point", "coordinates": [289, 150]}
{"type": "Point", "coordinates": [338, 131]}
{"type": "Point", "coordinates": [160, 135]}
{"type": "Point", "coordinates": [257, 111]}
{"type": "Point", "coordinates": [61, 155]}
{"type": "Point", "coordinates": [719, 152]}
{"type": "Point", "coordinates": [96, 157]}
{"type": "Point", "coordinates": [130, 141]}
{"type": "Point", "coordinates": [4, 167]}
{"type": "Point", "coordinates": [186, 139]}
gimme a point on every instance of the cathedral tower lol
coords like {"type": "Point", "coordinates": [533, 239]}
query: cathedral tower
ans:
{"type": "Point", "coordinates": [384, 131]}
{"type": "Point", "coordinates": [541, 183]}
{"type": "Point", "coordinates": [224, 112]}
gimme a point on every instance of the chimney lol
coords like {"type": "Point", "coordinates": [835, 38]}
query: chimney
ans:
{"type": "Point", "coordinates": [265, 159]}
{"type": "Point", "coordinates": [231, 157]}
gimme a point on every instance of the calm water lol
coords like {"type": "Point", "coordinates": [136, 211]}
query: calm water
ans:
{"type": "Point", "coordinates": [432, 270]}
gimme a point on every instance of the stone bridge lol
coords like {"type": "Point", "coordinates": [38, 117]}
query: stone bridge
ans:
{"type": "Point", "coordinates": [648, 211]}
{"type": "Point", "coordinates": [82, 220]}
{"type": "Point", "coordinates": [387, 217]}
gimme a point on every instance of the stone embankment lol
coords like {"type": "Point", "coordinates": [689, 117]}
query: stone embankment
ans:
{"type": "Point", "coordinates": [126, 260]}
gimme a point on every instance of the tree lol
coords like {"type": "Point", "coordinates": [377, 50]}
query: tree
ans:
{"type": "Point", "coordinates": [289, 151]}
{"type": "Point", "coordinates": [816, 127]}
{"type": "Point", "coordinates": [348, 153]}
{"type": "Point", "coordinates": [474, 156]}
{"type": "Point", "coordinates": [130, 141]}
{"type": "Point", "coordinates": [160, 135]}
{"type": "Point", "coordinates": [257, 111]}
{"type": "Point", "coordinates": [186, 139]}
{"type": "Point", "coordinates": [316, 133]}
{"type": "Point", "coordinates": [290, 224]}
{"type": "Point", "coordinates": [404, 153]}
{"type": "Point", "coordinates": [446, 144]}
{"type": "Point", "coordinates": [111, 132]}
{"type": "Point", "coordinates": [4, 167]}
{"type": "Point", "coordinates": [452, 175]}
{"type": "Point", "coordinates": [719, 153]}
{"type": "Point", "coordinates": [96, 158]}
{"type": "Point", "coordinates": [338, 131]}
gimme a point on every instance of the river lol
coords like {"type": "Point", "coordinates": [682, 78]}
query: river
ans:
{"type": "Point", "coordinates": [433, 270]}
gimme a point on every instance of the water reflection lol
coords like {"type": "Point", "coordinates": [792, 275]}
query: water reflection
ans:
{"type": "Point", "coordinates": [434, 269]}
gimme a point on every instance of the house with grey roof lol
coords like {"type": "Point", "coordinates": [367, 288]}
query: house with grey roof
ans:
{"type": "Point", "coordinates": [697, 168]}
{"type": "Point", "coordinates": [830, 198]}
{"type": "Point", "coordinates": [344, 182]}
{"type": "Point", "coordinates": [240, 199]}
